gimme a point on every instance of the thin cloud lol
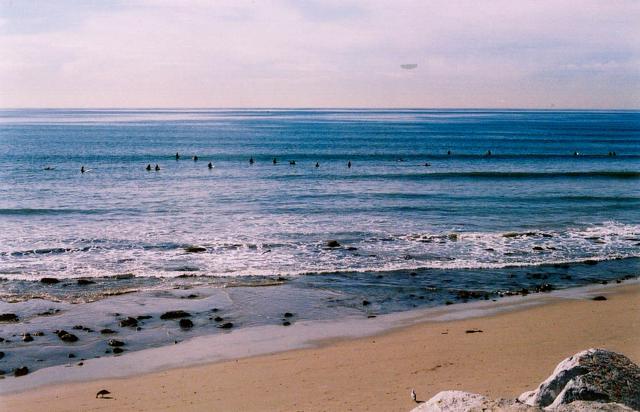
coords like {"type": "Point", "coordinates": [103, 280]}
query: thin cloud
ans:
{"type": "Point", "coordinates": [311, 53]}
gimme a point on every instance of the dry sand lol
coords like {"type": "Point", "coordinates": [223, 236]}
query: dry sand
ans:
{"type": "Point", "coordinates": [515, 352]}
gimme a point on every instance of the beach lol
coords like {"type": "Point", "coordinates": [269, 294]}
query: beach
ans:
{"type": "Point", "coordinates": [515, 351]}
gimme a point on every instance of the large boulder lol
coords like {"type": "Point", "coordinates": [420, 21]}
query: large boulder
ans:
{"type": "Point", "coordinates": [457, 401]}
{"type": "Point", "coordinates": [591, 380]}
{"type": "Point", "coordinates": [590, 375]}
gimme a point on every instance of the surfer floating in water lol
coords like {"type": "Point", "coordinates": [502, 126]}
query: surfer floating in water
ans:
{"type": "Point", "coordinates": [157, 167]}
{"type": "Point", "coordinates": [488, 153]}
{"type": "Point", "coordinates": [275, 160]}
{"type": "Point", "coordinates": [49, 168]}
{"type": "Point", "coordinates": [427, 164]}
{"type": "Point", "coordinates": [177, 155]}
{"type": "Point", "coordinates": [448, 152]}
{"type": "Point", "coordinates": [317, 164]}
{"type": "Point", "coordinates": [195, 158]}
{"type": "Point", "coordinates": [82, 169]}
{"type": "Point", "coordinates": [148, 166]}
{"type": "Point", "coordinates": [210, 166]}
{"type": "Point", "coordinates": [349, 164]}
{"type": "Point", "coordinates": [251, 161]}
{"type": "Point", "coordinates": [292, 162]}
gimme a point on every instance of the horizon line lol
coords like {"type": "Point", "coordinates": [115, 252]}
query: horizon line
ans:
{"type": "Point", "coordinates": [317, 108]}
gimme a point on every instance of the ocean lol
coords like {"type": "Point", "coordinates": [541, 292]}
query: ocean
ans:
{"type": "Point", "coordinates": [437, 207]}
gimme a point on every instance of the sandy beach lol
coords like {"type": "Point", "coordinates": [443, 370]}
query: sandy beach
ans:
{"type": "Point", "coordinates": [514, 352]}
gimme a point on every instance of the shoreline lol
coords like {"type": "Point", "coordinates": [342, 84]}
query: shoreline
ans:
{"type": "Point", "coordinates": [265, 344]}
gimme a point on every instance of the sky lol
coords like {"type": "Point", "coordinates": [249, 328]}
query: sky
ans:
{"type": "Point", "coordinates": [320, 53]}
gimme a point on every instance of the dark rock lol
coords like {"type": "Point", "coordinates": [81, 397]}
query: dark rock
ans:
{"type": "Point", "coordinates": [448, 302]}
{"type": "Point", "coordinates": [371, 316]}
{"type": "Point", "coordinates": [66, 336]}
{"type": "Point", "coordinates": [524, 291]}
{"type": "Point", "coordinates": [84, 282]}
{"type": "Point", "coordinates": [49, 312]}
{"type": "Point", "coordinates": [218, 318]}
{"type": "Point", "coordinates": [186, 323]}
{"type": "Point", "coordinates": [286, 323]}
{"type": "Point", "coordinates": [49, 281]}
{"type": "Point", "coordinates": [599, 298]}
{"type": "Point", "coordinates": [195, 249]}
{"type": "Point", "coordinates": [365, 303]}
{"type": "Point", "coordinates": [473, 331]}
{"type": "Point", "coordinates": [117, 350]}
{"type": "Point", "coordinates": [604, 282]}
{"type": "Point", "coordinates": [413, 274]}
{"type": "Point", "coordinates": [39, 333]}
{"type": "Point", "coordinates": [538, 248]}
{"type": "Point", "coordinates": [20, 371]}
{"type": "Point", "coordinates": [590, 262]}
{"type": "Point", "coordinates": [288, 315]}
{"type": "Point", "coordinates": [129, 322]}
{"type": "Point", "coordinates": [27, 337]}
{"type": "Point", "coordinates": [71, 356]}
{"type": "Point", "coordinates": [192, 296]}
{"type": "Point", "coordinates": [352, 248]}
{"type": "Point", "coordinates": [333, 243]}
{"type": "Point", "coordinates": [545, 287]}
{"type": "Point", "coordinates": [78, 327]}
{"type": "Point", "coordinates": [1, 354]}
{"type": "Point", "coordinates": [89, 330]}
{"type": "Point", "coordinates": [227, 325]}
{"type": "Point", "coordinates": [143, 317]}
{"type": "Point", "coordinates": [107, 331]}
{"type": "Point", "coordinates": [175, 314]}
{"type": "Point", "coordinates": [115, 343]}
{"type": "Point", "coordinates": [214, 310]}
{"type": "Point", "coordinates": [469, 294]}
{"type": "Point", "coordinates": [80, 363]}
{"type": "Point", "coordinates": [9, 317]}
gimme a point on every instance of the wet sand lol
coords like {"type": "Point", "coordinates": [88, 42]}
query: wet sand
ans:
{"type": "Point", "coordinates": [515, 351]}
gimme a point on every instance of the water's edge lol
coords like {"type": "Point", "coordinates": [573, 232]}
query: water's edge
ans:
{"type": "Point", "coordinates": [269, 339]}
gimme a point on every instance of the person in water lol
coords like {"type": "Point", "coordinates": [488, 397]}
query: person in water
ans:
{"type": "Point", "coordinates": [195, 158]}
{"type": "Point", "coordinates": [251, 161]}
{"type": "Point", "coordinates": [349, 164]}
{"type": "Point", "coordinates": [275, 160]}
{"type": "Point", "coordinates": [292, 162]}
{"type": "Point", "coordinates": [210, 166]}
{"type": "Point", "coordinates": [157, 167]}
{"type": "Point", "coordinates": [448, 152]}
{"type": "Point", "coordinates": [317, 164]}
{"type": "Point", "coordinates": [177, 155]}
{"type": "Point", "coordinates": [488, 153]}
{"type": "Point", "coordinates": [149, 166]}
{"type": "Point", "coordinates": [82, 169]}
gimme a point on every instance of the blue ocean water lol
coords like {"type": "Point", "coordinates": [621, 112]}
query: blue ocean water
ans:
{"type": "Point", "coordinates": [532, 201]}
{"type": "Point", "coordinates": [423, 217]}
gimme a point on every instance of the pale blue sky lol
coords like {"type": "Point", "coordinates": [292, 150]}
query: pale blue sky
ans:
{"type": "Point", "coordinates": [312, 53]}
